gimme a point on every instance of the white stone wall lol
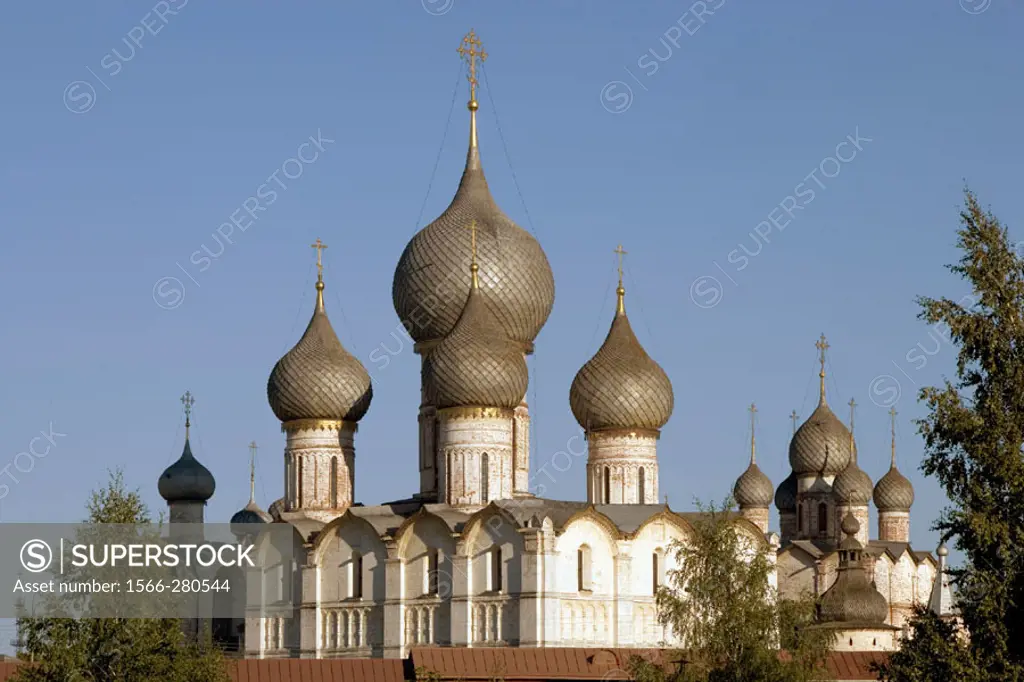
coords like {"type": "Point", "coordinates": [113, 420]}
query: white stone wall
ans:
{"type": "Point", "coordinates": [866, 640]}
{"type": "Point", "coordinates": [894, 526]}
{"type": "Point", "coordinates": [521, 449]}
{"type": "Point", "coordinates": [465, 435]}
{"type": "Point", "coordinates": [319, 468]}
{"type": "Point", "coordinates": [618, 457]}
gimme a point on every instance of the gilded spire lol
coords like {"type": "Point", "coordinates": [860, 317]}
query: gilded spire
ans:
{"type": "Point", "coordinates": [472, 50]}
{"type": "Point", "coordinates": [187, 402]}
{"type": "Point", "coordinates": [892, 417]}
{"type": "Point", "coordinates": [252, 472]}
{"type": "Point", "coordinates": [620, 307]}
{"type": "Point", "coordinates": [474, 268]}
{"type": "Point", "coordinates": [853, 444]}
{"type": "Point", "coordinates": [319, 246]}
{"type": "Point", "coordinates": [793, 418]}
{"type": "Point", "coordinates": [822, 346]}
{"type": "Point", "coordinates": [753, 413]}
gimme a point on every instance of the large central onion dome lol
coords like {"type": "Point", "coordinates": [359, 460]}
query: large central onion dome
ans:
{"type": "Point", "coordinates": [432, 275]}
{"type": "Point", "coordinates": [476, 365]}
{"type": "Point", "coordinates": [318, 378]}
{"type": "Point", "coordinates": [822, 445]}
{"type": "Point", "coordinates": [621, 387]}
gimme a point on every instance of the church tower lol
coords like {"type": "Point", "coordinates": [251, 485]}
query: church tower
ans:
{"type": "Point", "coordinates": [894, 495]}
{"type": "Point", "coordinates": [753, 489]}
{"type": "Point", "coordinates": [819, 451]}
{"type": "Point", "coordinates": [186, 485]}
{"type": "Point", "coordinates": [475, 378]}
{"type": "Point", "coordinates": [851, 488]}
{"type": "Point", "coordinates": [319, 391]}
{"type": "Point", "coordinates": [622, 398]}
{"type": "Point", "coordinates": [433, 276]}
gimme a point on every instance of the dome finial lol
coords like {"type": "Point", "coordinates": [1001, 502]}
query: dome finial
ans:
{"type": "Point", "coordinates": [252, 472]}
{"type": "Point", "coordinates": [892, 417]}
{"type": "Point", "coordinates": [793, 416]}
{"type": "Point", "coordinates": [621, 291]}
{"type": "Point", "coordinates": [472, 50]}
{"type": "Point", "coordinates": [474, 268]}
{"type": "Point", "coordinates": [188, 401]}
{"type": "Point", "coordinates": [853, 444]}
{"type": "Point", "coordinates": [753, 413]}
{"type": "Point", "coordinates": [319, 246]}
{"type": "Point", "coordinates": [822, 346]}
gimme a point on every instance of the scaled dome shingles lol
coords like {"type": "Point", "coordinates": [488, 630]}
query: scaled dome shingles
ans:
{"type": "Point", "coordinates": [621, 386]}
{"type": "Point", "coordinates": [821, 445]}
{"type": "Point", "coordinates": [894, 492]}
{"type": "Point", "coordinates": [476, 365]}
{"type": "Point", "coordinates": [432, 275]}
{"type": "Point", "coordinates": [318, 378]}
{"type": "Point", "coordinates": [753, 488]}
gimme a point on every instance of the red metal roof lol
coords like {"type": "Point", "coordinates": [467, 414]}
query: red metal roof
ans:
{"type": "Point", "coordinates": [456, 663]}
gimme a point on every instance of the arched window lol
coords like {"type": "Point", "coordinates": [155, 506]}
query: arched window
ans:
{"type": "Point", "coordinates": [641, 497]}
{"type": "Point", "coordinates": [334, 482]}
{"type": "Point", "coordinates": [485, 482]}
{"type": "Point", "coordinates": [607, 485]}
{"type": "Point", "coordinates": [355, 583]}
{"type": "Point", "coordinates": [494, 577]}
{"type": "Point", "coordinates": [657, 570]}
{"type": "Point", "coordinates": [583, 568]}
{"type": "Point", "coordinates": [298, 484]}
{"type": "Point", "coordinates": [800, 518]}
{"type": "Point", "coordinates": [430, 577]}
{"type": "Point", "coordinates": [822, 519]}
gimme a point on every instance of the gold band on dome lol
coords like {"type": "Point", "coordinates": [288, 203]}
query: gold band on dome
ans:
{"type": "Point", "coordinates": [475, 413]}
{"type": "Point", "coordinates": [318, 425]}
{"type": "Point", "coordinates": [633, 433]}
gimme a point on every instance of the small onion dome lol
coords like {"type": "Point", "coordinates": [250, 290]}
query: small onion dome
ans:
{"type": "Point", "coordinates": [942, 550]}
{"type": "Point", "coordinates": [186, 480]}
{"type": "Point", "coordinates": [433, 271]}
{"type": "Point", "coordinates": [476, 365]}
{"type": "Point", "coordinates": [851, 486]}
{"type": "Point", "coordinates": [894, 492]}
{"type": "Point", "coordinates": [852, 598]}
{"type": "Point", "coordinates": [821, 445]}
{"type": "Point", "coordinates": [318, 378]}
{"type": "Point", "coordinates": [621, 387]}
{"type": "Point", "coordinates": [247, 516]}
{"type": "Point", "coordinates": [785, 495]}
{"type": "Point", "coordinates": [753, 489]}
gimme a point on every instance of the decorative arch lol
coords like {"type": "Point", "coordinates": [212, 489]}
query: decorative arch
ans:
{"type": "Point", "coordinates": [404, 532]}
{"type": "Point", "coordinates": [602, 521]}
{"type": "Point", "coordinates": [666, 516]}
{"type": "Point", "coordinates": [473, 527]}
{"type": "Point", "coordinates": [327, 533]}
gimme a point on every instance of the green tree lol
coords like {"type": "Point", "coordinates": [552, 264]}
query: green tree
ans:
{"type": "Point", "coordinates": [936, 651]}
{"type": "Point", "coordinates": [109, 649]}
{"type": "Point", "coordinates": [973, 436]}
{"type": "Point", "coordinates": [720, 603]}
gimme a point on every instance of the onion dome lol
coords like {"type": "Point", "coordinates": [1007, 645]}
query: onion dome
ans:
{"type": "Point", "coordinates": [822, 444]}
{"type": "Point", "coordinates": [516, 282]}
{"type": "Point", "coordinates": [894, 492]}
{"type": "Point", "coordinates": [621, 387]}
{"type": "Point", "coordinates": [785, 495]}
{"type": "Point", "coordinates": [186, 480]}
{"type": "Point", "coordinates": [318, 378]}
{"type": "Point", "coordinates": [476, 365]}
{"type": "Point", "coordinates": [852, 598]}
{"type": "Point", "coordinates": [753, 489]}
{"type": "Point", "coordinates": [852, 485]}
{"type": "Point", "coordinates": [250, 513]}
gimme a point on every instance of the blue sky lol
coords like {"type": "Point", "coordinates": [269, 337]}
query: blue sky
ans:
{"type": "Point", "coordinates": [121, 159]}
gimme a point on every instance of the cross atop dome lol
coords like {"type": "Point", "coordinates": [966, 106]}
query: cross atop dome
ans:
{"type": "Point", "coordinates": [187, 402]}
{"type": "Point", "coordinates": [822, 346]}
{"type": "Point", "coordinates": [621, 291]}
{"type": "Point", "coordinates": [471, 50]}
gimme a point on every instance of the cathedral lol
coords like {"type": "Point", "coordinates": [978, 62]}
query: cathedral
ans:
{"type": "Point", "coordinates": [473, 558]}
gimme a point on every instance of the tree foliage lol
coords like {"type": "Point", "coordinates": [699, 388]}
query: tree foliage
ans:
{"type": "Point", "coordinates": [973, 436]}
{"type": "Point", "coordinates": [109, 649]}
{"type": "Point", "coordinates": [721, 605]}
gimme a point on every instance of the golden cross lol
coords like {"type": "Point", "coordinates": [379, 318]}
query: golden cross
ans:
{"type": "Point", "coordinates": [853, 407]}
{"type": "Point", "coordinates": [753, 411]}
{"type": "Point", "coordinates": [822, 346]}
{"type": "Point", "coordinates": [794, 417]}
{"type": "Point", "coordinates": [621, 253]}
{"type": "Point", "coordinates": [892, 416]}
{"type": "Point", "coordinates": [471, 49]}
{"type": "Point", "coordinates": [319, 246]}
